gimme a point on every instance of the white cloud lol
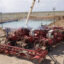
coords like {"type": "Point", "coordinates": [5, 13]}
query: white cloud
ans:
{"type": "Point", "coordinates": [24, 5]}
{"type": "Point", "coordinates": [0, 5]}
{"type": "Point", "coordinates": [16, 5]}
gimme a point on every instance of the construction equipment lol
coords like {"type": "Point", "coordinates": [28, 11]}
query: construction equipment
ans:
{"type": "Point", "coordinates": [32, 44]}
{"type": "Point", "coordinates": [21, 43]}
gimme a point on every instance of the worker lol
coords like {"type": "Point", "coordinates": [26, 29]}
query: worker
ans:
{"type": "Point", "coordinates": [31, 32]}
{"type": "Point", "coordinates": [7, 31]}
{"type": "Point", "coordinates": [49, 34]}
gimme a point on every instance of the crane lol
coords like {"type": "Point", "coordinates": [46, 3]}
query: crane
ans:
{"type": "Point", "coordinates": [31, 8]}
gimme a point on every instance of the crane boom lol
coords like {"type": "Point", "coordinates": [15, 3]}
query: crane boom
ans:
{"type": "Point", "coordinates": [31, 8]}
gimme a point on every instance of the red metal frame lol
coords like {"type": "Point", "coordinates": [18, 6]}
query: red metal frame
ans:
{"type": "Point", "coordinates": [38, 53]}
{"type": "Point", "coordinates": [26, 53]}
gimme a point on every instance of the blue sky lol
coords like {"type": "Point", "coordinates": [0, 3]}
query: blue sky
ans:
{"type": "Point", "coordinates": [24, 5]}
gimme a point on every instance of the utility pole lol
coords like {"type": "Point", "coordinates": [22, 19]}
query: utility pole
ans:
{"type": "Point", "coordinates": [54, 14]}
{"type": "Point", "coordinates": [1, 17]}
{"type": "Point", "coordinates": [31, 8]}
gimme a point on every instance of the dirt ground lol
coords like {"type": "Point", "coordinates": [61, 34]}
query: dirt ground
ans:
{"type": "Point", "coordinates": [57, 54]}
{"type": "Point", "coordinates": [58, 23]}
